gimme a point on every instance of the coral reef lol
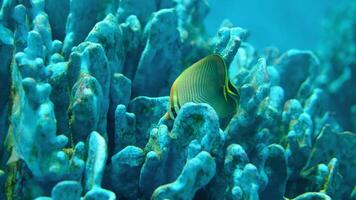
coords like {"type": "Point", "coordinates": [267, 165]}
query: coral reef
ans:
{"type": "Point", "coordinates": [338, 54]}
{"type": "Point", "coordinates": [84, 85]}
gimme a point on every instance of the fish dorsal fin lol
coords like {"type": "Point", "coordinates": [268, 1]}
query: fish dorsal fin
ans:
{"type": "Point", "coordinates": [204, 82]}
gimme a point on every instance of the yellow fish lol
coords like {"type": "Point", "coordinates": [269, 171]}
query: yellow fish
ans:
{"type": "Point", "coordinates": [206, 81]}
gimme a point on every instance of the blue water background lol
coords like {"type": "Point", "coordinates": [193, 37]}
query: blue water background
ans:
{"type": "Point", "coordinates": [282, 23]}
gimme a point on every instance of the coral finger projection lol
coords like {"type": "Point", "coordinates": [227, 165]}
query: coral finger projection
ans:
{"type": "Point", "coordinates": [132, 100]}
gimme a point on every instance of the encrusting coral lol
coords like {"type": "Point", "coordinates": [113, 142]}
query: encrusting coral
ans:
{"type": "Point", "coordinates": [84, 85]}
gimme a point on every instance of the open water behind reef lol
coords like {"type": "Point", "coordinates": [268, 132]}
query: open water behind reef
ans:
{"type": "Point", "coordinates": [284, 24]}
{"type": "Point", "coordinates": [177, 100]}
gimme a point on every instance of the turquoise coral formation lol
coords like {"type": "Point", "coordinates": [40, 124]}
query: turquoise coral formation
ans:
{"type": "Point", "coordinates": [85, 84]}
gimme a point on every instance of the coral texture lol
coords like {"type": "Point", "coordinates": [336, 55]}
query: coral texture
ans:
{"type": "Point", "coordinates": [85, 84]}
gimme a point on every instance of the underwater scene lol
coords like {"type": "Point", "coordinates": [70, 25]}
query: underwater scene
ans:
{"type": "Point", "coordinates": [177, 100]}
